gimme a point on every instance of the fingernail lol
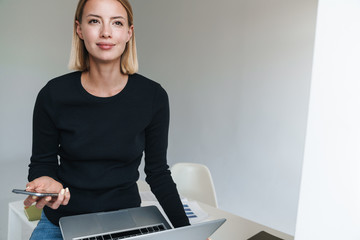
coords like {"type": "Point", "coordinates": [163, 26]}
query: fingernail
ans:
{"type": "Point", "coordinates": [27, 187]}
{"type": "Point", "coordinates": [48, 199]}
{"type": "Point", "coordinates": [67, 190]}
{"type": "Point", "coordinates": [34, 197]}
{"type": "Point", "coordinates": [62, 191]}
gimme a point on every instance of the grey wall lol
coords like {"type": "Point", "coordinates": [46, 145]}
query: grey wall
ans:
{"type": "Point", "coordinates": [237, 73]}
{"type": "Point", "coordinates": [35, 38]}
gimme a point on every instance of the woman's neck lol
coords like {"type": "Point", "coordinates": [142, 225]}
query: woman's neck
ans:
{"type": "Point", "coordinates": [104, 80]}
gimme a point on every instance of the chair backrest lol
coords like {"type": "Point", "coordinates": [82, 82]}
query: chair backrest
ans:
{"type": "Point", "coordinates": [143, 186]}
{"type": "Point", "coordinates": [194, 181]}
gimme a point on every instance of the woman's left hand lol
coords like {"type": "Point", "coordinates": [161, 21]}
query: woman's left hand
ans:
{"type": "Point", "coordinates": [47, 184]}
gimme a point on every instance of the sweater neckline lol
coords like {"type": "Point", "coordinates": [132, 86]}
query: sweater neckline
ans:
{"type": "Point", "coordinates": [102, 99]}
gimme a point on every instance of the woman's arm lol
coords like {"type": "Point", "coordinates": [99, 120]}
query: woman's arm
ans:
{"type": "Point", "coordinates": [44, 162]}
{"type": "Point", "coordinates": [157, 171]}
{"type": "Point", "coordinates": [45, 142]}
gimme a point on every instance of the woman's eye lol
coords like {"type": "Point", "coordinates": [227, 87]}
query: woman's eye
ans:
{"type": "Point", "coordinates": [118, 23]}
{"type": "Point", "coordinates": [93, 21]}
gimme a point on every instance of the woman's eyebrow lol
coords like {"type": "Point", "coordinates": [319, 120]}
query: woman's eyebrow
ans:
{"type": "Point", "coordinates": [97, 16]}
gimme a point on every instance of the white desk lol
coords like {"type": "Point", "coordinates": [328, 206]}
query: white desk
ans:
{"type": "Point", "coordinates": [235, 228]}
{"type": "Point", "coordinates": [19, 227]}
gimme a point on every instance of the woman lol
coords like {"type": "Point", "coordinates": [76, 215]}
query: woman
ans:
{"type": "Point", "coordinates": [99, 120]}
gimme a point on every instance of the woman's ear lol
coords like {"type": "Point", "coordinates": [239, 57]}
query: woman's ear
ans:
{"type": "Point", "coordinates": [78, 30]}
{"type": "Point", "coordinates": [130, 32]}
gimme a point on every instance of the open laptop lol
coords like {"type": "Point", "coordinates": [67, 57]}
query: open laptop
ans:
{"type": "Point", "coordinates": [141, 223]}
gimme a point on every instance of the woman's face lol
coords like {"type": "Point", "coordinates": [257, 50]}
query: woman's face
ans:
{"type": "Point", "coordinates": [104, 29]}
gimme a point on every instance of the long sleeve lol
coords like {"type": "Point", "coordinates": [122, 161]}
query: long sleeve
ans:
{"type": "Point", "coordinates": [156, 168]}
{"type": "Point", "coordinates": [44, 160]}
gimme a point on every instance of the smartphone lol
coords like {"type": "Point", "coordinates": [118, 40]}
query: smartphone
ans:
{"type": "Point", "coordinates": [19, 191]}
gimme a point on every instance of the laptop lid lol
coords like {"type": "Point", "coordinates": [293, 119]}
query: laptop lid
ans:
{"type": "Point", "coordinates": [133, 223]}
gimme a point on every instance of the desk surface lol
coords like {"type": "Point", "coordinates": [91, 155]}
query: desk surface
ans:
{"type": "Point", "coordinates": [18, 209]}
{"type": "Point", "coordinates": [235, 227]}
{"type": "Point", "coordinates": [238, 228]}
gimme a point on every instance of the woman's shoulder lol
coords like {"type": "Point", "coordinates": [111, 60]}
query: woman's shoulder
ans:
{"type": "Point", "coordinates": [144, 83]}
{"type": "Point", "coordinates": [62, 83]}
{"type": "Point", "coordinates": [142, 80]}
{"type": "Point", "coordinates": [57, 86]}
{"type": "Point", "coordinates": [149, 89]}
{"type": "Point", "coordinates": [65, 79]}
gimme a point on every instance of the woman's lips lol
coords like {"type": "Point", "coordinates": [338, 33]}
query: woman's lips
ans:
{"type": "Point", "coordinates": [105, 46]}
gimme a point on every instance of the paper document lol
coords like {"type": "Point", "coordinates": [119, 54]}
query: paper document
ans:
{"type": "Point", "coordinates": [193, 211]}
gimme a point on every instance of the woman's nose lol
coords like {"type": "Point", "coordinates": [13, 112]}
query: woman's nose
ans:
{"type": "Point", "coordinates": [105, 31]}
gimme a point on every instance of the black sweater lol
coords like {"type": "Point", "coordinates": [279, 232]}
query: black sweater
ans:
{"type": "Point", "coordinates": [94, 146]}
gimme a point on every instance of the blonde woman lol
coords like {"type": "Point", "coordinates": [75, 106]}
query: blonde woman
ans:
{"type": "Point", "coordinates": [92, 126]}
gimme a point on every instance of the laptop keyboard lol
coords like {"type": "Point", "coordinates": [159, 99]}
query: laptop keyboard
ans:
{"type": "Point", "coordinates": [126, 234]}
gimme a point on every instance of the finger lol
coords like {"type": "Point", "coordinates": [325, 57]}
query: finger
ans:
{"type": "Point", "coordinates": [48, 198]}
{"type": "Point", "coordinates": [30, 186]}
{"type": "Point", "coordinates": [49, 201]}
{"type": "Point", "coordinates": [41, 203]}
{"type": "Point", "coordinates": [67, 197]}
{"type": "Point", "coordinates": [59, 200]}
{"type": "Point", "coordinates": [34, 186]}
{"type": "Point", "coordinates": [29, 201]}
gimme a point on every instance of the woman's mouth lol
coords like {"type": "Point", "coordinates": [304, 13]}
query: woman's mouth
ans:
{"type": "Point", "coordinates": [105, 46]}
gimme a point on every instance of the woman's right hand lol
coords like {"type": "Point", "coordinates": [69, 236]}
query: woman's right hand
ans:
{"type": "Point", "coordinates": [47, 185]}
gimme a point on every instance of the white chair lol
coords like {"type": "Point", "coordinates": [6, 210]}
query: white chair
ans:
{"type": "Point", "coordinates": [143, 186]}
{"type": "Point", "coordinates": [194, 181]}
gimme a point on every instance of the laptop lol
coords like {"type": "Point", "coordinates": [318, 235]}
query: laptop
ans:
{"type": "Point", "coordinates": [140, 223]}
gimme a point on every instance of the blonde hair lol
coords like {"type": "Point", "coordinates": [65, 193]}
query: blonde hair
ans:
{"type": "Point", "coordinates": [79, 56]}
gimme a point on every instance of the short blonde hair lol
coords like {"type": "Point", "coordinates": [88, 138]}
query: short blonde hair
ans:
{"type": "Point", "coordinates": [79, 56]}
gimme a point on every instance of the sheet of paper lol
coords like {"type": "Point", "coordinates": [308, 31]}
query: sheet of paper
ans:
{"type": "Point", "coordinates": [194, 212]}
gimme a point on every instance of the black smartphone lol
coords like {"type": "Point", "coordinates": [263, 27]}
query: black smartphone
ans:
{"type": "Point", "coordinates": [19, 191]}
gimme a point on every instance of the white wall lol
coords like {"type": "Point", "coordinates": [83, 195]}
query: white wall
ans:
{"type": "Point", "coordinates": [237, 73]}
{"type": "Point", "coordinates": [329, 206]}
